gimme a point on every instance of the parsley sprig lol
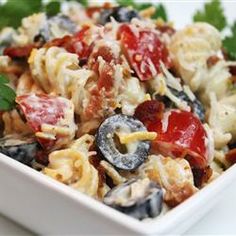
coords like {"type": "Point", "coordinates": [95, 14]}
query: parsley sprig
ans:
{"type": "Point", "coordinates": [229, 43]}
{"type": "Point", "coordinates": [14, 10]}
{"type": "Point", "coordinates": [159, 13]}
{"type": "Point", "coordinates": [7, 95]}
{"type": "Point", "coordinates": [213, 13]}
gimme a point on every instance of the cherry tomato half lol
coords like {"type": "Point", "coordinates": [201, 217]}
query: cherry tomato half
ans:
{"type": "Point", "coordinates": [181, 134]}
{"type": "Point", "coordinates": [144, 50]}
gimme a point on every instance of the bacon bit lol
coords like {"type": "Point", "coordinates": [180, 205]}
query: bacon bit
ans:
{"type": "Point", "coordinates": [19, 52]}
{"type": "Point", "coordinates": [233, 78]}
{"type": "Point", "coordinates": [59, 42]}
{"type": "Point", "coordinates": [167, 29]}
{"type": "Point", "coordinates": [75, 44]}
{"type": "Point", "coordinates": [13, 69]}
{"type": "Point", "coordinates": [91, 10]}
{"type": "Point", "coordinates": [178, 194]}
{"type": "Point", "coordinates": [95, 104]}
{"type": "Point", "coordinates": [150, 111]}
{"type": "Point", "coordinates": [212, 60]}
{"type": "Point", "coordinates": [103, 92]}
{"type": "Point", "coordinates": [231, 156]}
{"type": "Point", "coordinates": [42, 157]}
{"type": "Point", "coordinates": [201, 176]}
{"type": "Point", "coordinates": [232, 70]}
{"type": "Point", "coordinates": [95, 161]}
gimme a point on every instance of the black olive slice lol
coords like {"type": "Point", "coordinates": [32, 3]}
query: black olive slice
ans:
{"type": "Point", "coordinates": [139, 198]}
{"type": "Point", "coordinates": [121, 156]}
{"type": "Point", "coordinates": [61, 21]}
{"type": "Point", "coordinates": [120, 14]}
{"type": "Point", "coordinates": [195, 105]}
{"type": "Point", "coordinates": [21, 148]}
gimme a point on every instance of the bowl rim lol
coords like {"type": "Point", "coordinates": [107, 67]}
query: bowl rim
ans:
{"type": "Point", "coordinates": [148, 226]}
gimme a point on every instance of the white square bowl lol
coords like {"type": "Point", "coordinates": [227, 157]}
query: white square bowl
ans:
{"type": "Point", "coordinates": [46, 206]}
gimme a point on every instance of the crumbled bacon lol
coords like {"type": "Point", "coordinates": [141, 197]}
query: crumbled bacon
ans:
{"type": "Point", "coordinates": [231, 156]}
{"type": "Point", "coordinates": [95, 161]}
{"type": "Point", "coordinates": [77, 43]}
{"type": "Point", "coordinates": [91, 10]}
{"type": "Point", "coordinates": [19, 52]}
{"type": "Point", "coordinates": [102, 95]}
{"type": "Point", "coordinates": [178, 193]}
{"type": "Point", "coordinates": [166, 29]}
{"type": "Point", "coordinates": [232, 70]}
{"type": "Point", "coordinates": [212, 60]}
{"type": "Point", "coordinates": [201, 176]}
{"type": "Point", "coordinates": [149, 111]}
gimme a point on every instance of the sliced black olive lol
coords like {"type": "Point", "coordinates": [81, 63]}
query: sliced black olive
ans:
{"type": "Point", "coordinates": [121, 156]}
{"type": "Point", "coordinates": [21, 148]}
{"type": "Point", "coordinates": [232, 145]}
{"type": "Point", "coordinates": [196, 106]}
{"type": "Point", "coordinates": [120, 14]}
{"type": "Point", "coordinates": [139, 198]}
{"type": "Point", "coordinates": [61, 22]}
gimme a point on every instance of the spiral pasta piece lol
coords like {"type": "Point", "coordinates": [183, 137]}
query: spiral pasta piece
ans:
{"type": "Point", "coordinates": [190, 48]}
{"type": "Point", "coordinates": [174, 175]}
{"type": "Point", "coordinates": [56, 71]}
{"type": "Point", "coordinates": [72, 167]}
{"type": "Point", "coordinates": [222, 119]}
{"type": "Point", "coordinates": [13, 123]}
{"type": "Point", "coordinates": [26, 85]}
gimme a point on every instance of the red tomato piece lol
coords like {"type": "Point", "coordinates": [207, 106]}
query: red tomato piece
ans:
{"type": "Point", "coordinates": [42, 109]}
{"type": "Point", "coordinates": [19, 52]}
{"type": "Point", "coordinates": [181, 134]}
{"type": "Point", "coordinates": [144, 50]}
{"type": "Point", "coordinates": [80, 43]}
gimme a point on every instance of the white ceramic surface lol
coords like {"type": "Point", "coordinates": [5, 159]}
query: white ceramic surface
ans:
{"type": "Point", "coordinates": [48, 207]}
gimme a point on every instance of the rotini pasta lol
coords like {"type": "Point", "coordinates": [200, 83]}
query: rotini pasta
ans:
{"type": "Point", "coordinates": [57, 72]}
{"type": "Point", "coordinates": [222, 119]}
{"type": "Point", "coordinates": [26, 85]}
{"type": "Point", "coordinates": [13, 123]}
{"type": "Point", "coordinates": [190, 49]}
{"type": "Point", "coordinates": [174, 175]}
{"type": "Point", "coordinates": [71, 166]}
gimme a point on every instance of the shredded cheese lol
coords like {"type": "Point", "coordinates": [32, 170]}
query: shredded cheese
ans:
{"type": "Point", "coordinates": [137, 136]}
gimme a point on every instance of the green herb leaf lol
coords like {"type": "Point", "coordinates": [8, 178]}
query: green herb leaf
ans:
{"type": "Point", "coordinates": [14, 10]}
{"type": "Point", "coordinates": [126, 3]}
{"type": "Point", "coordinates": [52, 8]}
{"type": "Point", "coordinates": [85, 3]}
{"type": "Point", "coordinates": [7, 95]}
{"type": "Point", "coordinates": [229, 43]}
{"type": "Point", "coordinates": [3, 79]}
{"type": "Point", "coordinates": [5, 105]}
{"type": "Point", "coordinates": [213, 13]}
{"type": "Point", "coordinates": [160, 12]}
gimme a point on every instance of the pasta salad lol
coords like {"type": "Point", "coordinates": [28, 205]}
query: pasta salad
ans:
{"type": "Point", "coordinates": [116, 103]}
